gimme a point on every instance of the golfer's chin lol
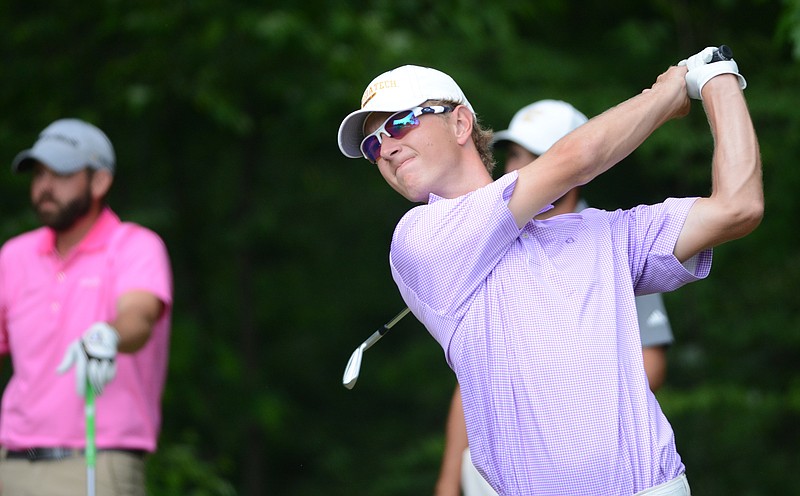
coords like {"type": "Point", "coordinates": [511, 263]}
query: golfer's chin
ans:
{"type": "Point", "coordinates": [47, 216]}
{"type": "Point", "coordinates": [412, 187]}
{"type": "Point", "coordinates": [415, 195]}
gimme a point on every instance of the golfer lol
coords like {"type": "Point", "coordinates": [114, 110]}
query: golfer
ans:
{"type": "Point", "coordinates": [537, 317]}
{"type": "Point", "coordinates": [532, 130]}
{"type": "Point", "coordinates": [85, 301]}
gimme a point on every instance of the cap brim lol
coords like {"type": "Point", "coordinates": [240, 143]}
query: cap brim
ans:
{"type": "Point", "coordinates": [351, 130]}
{"type": "Point", "coordinates": [59, 159]}
{"type": "Point", "coordinates": [351, 133]}
{"type": "Point", "coordinates": [23, 161]}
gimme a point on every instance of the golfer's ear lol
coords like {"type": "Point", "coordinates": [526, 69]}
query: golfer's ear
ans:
{"type": "Point", "coordinates": [464, 120]}
{"type": "Point", "coordinates": [101, 182]}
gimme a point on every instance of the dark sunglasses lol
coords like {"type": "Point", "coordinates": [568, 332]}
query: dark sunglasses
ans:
{"type": "Point", "coordinates": [396, 126]}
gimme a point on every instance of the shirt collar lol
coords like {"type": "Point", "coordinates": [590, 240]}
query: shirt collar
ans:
{"type": "Point", "coordinates": [432, 198]}
{"type": "Point", "coordinates": [95, 239]}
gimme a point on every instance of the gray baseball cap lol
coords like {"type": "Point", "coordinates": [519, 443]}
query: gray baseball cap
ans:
{"type": "Point", "coordinates": [67, 146]}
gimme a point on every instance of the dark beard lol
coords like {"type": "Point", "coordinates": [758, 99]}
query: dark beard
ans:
{"type": "Point", "coordinates": [65, 217]}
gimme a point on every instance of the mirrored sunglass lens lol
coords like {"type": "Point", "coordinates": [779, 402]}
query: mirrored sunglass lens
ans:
{"type": "Point", "coordinates": [396, 126]}
{"type": "Point", "coordinates": [401, 123]}
{"type": "Point", "coordinates": [370, 148]}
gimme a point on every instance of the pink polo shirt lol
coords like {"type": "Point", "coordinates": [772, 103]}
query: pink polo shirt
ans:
{"type": "Point", "coordinates": [47, 302]}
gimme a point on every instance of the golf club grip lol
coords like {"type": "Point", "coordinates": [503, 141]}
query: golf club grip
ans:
{"type": "Point", "coordinates": [724, 52]}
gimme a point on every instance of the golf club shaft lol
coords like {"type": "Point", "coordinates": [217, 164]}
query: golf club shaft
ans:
{"type": "Point", "coordinates": [383, 330]}
{"type": "Point", "coordinates": [90, 478]}
{"type": "Point", "coordinates": [89, 412]}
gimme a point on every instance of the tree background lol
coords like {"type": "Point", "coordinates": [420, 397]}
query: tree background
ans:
{"type": "Point", "coordinates": [224, 117]}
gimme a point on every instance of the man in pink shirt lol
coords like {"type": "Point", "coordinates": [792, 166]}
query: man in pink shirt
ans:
{"type": "Point", "coordinates": [537, 317]}
{"type": "Point", "coordinates": [85, 301]}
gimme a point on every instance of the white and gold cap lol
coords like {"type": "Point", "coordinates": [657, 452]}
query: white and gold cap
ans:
{"type": "Point", "coordinates": [536, 127]}
{"type": "Point", "coordinates": [399, 89]}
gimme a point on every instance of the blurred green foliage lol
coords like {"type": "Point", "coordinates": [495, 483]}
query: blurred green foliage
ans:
{"type": "Point", "coordinates": [224, 118]}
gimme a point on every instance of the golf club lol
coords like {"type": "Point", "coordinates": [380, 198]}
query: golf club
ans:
{"type": "Point", "coordinates": [91, 450]}
{"type": "Point", "coordinates": [724, 52]}
{"type": "Point", "coordinates": [354, 364]}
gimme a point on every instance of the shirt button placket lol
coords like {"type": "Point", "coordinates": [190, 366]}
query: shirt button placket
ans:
{"type": "Point", "coordinates": [61, 277]}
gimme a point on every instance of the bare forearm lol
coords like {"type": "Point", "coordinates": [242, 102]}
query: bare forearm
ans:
{"type": "Point", "coordinates": [137, 313]}
{"type": "Point", "coordinates": [736, 166]}
{"type": "Point", "coordinates": [449, 482]}
{"type": "Point", "coordinates": [736, 204]}
{"type": "Point", "coordinates": [655, 365]}
{"type": "Point", "coordinates": [616, 133]}
{"type": "Point", "coordinates": [598, 145]}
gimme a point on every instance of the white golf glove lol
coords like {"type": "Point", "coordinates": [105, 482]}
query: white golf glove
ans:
{"type": "Point", "coordinates": [702, 69]}
{"type": "Point", "coordinates": [93, 356]}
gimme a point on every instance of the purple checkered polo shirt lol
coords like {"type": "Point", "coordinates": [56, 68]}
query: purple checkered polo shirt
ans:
{"type": "Point", "coordinates": [539, 325]}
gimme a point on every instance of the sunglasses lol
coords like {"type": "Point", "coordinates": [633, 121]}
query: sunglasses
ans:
{"type": "Point", "coordinates": [396, 126]}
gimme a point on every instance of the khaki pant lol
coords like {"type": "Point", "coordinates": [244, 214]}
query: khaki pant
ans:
{"type": "Point", "coordinates": [116, 474]}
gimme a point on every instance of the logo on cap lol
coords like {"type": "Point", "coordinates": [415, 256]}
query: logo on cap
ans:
{"type": "Point", "coordinates": [60, 137]}
{"type": "Point", "coordinates": [373, 89]}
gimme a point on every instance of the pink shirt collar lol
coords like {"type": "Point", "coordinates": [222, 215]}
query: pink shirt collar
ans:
{"type": "Point", "coordinates": [96, 238]}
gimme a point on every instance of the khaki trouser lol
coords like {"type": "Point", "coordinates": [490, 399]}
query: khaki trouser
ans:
{"type": "Point", "coordinates": [117, 473]}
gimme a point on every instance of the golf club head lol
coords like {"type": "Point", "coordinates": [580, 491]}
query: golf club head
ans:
{"type": "Point", "coordinates": [353, 368]}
